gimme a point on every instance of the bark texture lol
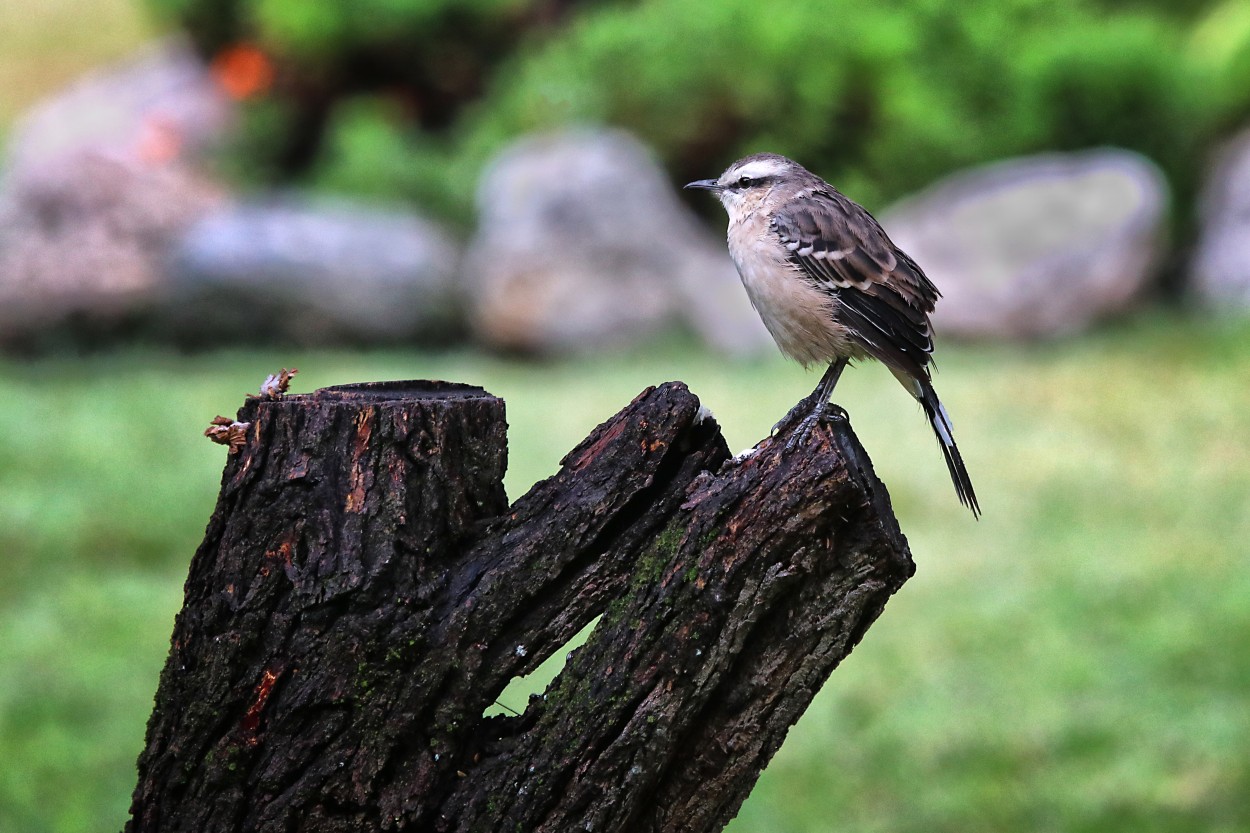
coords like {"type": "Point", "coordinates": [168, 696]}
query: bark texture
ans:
{"type": "Point", "coordinates": [364, 593]}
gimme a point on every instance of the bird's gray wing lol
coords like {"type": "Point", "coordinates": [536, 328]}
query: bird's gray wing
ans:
{"type": "Point", "coordinates": [882, 296]}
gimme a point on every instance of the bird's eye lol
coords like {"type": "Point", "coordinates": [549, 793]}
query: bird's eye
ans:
{"type": "Point", "coordinates": [746, 182]}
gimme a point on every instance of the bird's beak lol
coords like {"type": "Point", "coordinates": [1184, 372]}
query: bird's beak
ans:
{"type": "Point", "coordinates": [703, 184]}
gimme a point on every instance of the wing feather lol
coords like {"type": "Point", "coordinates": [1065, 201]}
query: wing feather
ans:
{"type": "Point", "coordinates": [880, 294]}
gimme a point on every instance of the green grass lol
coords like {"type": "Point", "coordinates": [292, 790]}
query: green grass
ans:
{"type": "Point", "coordinates": [1076, 661]}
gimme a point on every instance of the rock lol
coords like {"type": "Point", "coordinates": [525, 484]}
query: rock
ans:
{"type": "Point", "coordinates": [1039, 246]}
{"type": "Point", "coordinates": [326, 272]}
{"type": "Point", "coordinates": [582, 244]}
{"type": "Point", "coordinates": [99, 184]}
{"type": "Point", "coordinates": [85, 243]}
{"type": "Point", "coordinates": [158, 105]}
{"type": "Point", "coordinates": [1220, 270]}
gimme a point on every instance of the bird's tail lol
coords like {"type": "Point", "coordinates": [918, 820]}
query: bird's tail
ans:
{"type": "Point", "coordinates": [923, 390]}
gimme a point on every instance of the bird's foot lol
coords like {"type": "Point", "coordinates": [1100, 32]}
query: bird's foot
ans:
{"type": "Point", "coordinates": [804, 429]}
{"type": "Point", "coordinates": [836, 413]}
{"type": "Point", "coordinates": [800, 435]}
{"type": "Point", "coordinates": [804, 406]}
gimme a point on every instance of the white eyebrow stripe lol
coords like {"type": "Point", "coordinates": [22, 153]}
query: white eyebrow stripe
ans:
{"type": "Point", "coordinates": [760, 168]}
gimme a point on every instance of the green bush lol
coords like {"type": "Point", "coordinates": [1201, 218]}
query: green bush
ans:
{"type": "Point", "coordinates": [880, 97]}
{"type": "Point", "coordinates": [323, 32]}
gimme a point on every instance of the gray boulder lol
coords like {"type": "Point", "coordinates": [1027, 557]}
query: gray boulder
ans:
{"type": "Point", "coordinates": [1220, 270]}
{"type": "Point", "coordinates": [582, 244]}
{"type": "Point", "coordinates": [86, 243]}
{"type": "Point", "coordinates": [161, 103]}
{"type": "Point", "coordinates": [99, 182]}
{"type": "Point", "coordinates": [1039, 246]}
{"type": "Point", "coordinates": [313, 273]}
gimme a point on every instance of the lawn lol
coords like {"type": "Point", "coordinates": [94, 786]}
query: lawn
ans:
{"type": "Point", "coordinates": [1076, 661]}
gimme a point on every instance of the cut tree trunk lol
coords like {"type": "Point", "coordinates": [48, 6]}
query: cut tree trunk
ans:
{"type": "Point", "coordinates": [364, 593]}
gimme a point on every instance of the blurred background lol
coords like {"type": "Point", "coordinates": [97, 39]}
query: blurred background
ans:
{"type": "Point", "coordinates": [194, 193]}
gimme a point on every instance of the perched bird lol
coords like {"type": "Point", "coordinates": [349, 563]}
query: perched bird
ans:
{"type": "Point", "coordinates": [831, 286]}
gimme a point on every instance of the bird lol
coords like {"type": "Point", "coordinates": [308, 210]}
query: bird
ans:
{"type": "Point", "coordinates": [832, 287]}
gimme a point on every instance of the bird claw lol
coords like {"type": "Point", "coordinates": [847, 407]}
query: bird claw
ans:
{"type": "Point", "coordinates": [803, 431]}
{"type": "Point", "coordinates": [803, 406]}
{"type": "Point", "coordinates": [836, 413]}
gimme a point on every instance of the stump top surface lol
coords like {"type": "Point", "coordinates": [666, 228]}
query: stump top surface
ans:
{"type": "Point", "coordinates": [401, 390]}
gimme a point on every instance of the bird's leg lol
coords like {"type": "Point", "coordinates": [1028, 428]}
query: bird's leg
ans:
{"type": "Point", "coordinates": [818, 399]}
{"type": "Point", "coordinates": [814, 402]}
{"type": "Point", "coordinates": [824, 388]}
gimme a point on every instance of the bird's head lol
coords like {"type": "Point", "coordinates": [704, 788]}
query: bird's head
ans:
{"type": "Point", "coordinates": [747, 181]}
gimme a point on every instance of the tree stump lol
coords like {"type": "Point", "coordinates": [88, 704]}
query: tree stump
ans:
{"type": "Point", "coordinates": [364, 593]}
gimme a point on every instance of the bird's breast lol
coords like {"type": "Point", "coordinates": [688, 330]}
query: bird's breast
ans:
{"type": "Point", "coordinates": [801, 318]}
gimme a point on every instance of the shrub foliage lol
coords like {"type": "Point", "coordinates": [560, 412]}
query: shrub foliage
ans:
{"type": "Point", "coordinates": [410, 97]}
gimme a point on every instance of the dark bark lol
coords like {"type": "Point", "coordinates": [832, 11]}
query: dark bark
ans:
{"type": "Point", "coordinates": [364, 593]}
